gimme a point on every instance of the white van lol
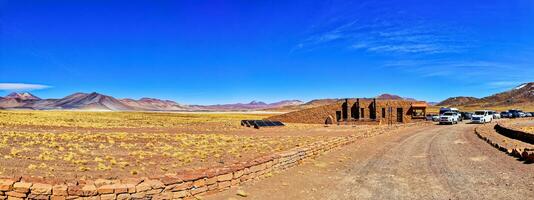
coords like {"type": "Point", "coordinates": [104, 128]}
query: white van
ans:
{"type": "Point", "coordinates": [482, 117]}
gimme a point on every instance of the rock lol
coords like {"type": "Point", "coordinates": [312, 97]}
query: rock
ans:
{"type": "Point", "coordinates": [241, 193]}
{"type": "Point", "coordinates": [163, 196]}
{"type": "Point", "coordinates": [6, 185]}
{"type": "Point", "coordinates": [144, 186]}
{"type": "Point", "coordinates": [225, 184]}
{"type": "Point", "coordinates": [180, 194]}
{"type": "Point", "coordinates": [16, 194]}
{"type": "Point", "coordinates": [107, 197]}
{"type": "Point", "coordinates": [199, 183]}
{"type": "Point", "coordinates": [38, 196]}
{"type": "Point", "coordinates": [138, 195]}
{"type": "Point", "coordinates": [182, 186]}
{"type": "Point", "coordinates": [101, 182]}
{"type": "Point", "coordinates": [155, 184]}
{"type": "Point", "coordinates": [124, 197]}
{"type": "Point", "coordinates": [22, 187]}
{"type": "Point", "coordinates": [106, 189]}
{"type": "Point", "coordinates": [89, 190]}
{"type": "Point", "coordinates": [225, 177]}
{"type": "Point", "coordinates": [58, 198]}
{"type": "Point", "coordinates": [60, 190]}
{"type": "Point", "coordinates": [40, 188]}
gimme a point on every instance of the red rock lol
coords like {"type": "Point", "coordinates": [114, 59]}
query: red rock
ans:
{"type": "Point", "coordinates": [40, 188]}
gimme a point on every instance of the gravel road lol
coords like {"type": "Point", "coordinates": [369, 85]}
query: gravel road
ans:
{"type": "Point", "coordinates": [432, 162]}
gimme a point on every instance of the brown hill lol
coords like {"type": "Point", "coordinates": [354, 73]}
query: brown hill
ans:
{"type": "Point", "coordinates": [457, 101]}
{"type": "Point", "coordinates": [22, 96]}
{"type": "Point", "coordinates": [389, 97]}
{"type": "Point", "coordinates": [92, 101]}
{"type": "Point", "coordinates": [96, 101]}
{"type": "Point", "coordinates": [310, 104]}
{"type": "Point", "coordinates": [520, 96]}
{"type": "Point", "coordinates": [153, 104]}
{"type": "Point", "coordinates": [323, 102]}
{"type": "Point", "coordinates": [254, 105]}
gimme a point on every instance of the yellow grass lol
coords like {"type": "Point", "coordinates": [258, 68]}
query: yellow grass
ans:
{"type": "Point", "coordinates": [118, 119]}
{"type": "Point", "coordinates": [126, 143]}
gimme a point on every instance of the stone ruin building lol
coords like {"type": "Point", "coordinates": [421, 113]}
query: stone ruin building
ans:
{"type": "Point", "coordinates": [359, 111]}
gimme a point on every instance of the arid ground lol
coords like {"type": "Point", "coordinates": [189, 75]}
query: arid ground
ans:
{"type": "Point", "coordinates": [430, 162]}
{"type": "Point", "coordinates": [72, 145]}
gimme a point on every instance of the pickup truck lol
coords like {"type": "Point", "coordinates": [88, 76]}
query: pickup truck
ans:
{"type": "Point", "coordinates": [482, 117]}
{"type": "Point", "coordinates": [449, 118]}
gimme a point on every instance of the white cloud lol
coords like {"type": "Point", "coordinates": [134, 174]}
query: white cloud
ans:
{"type": "Point", "coordinates": [22, 86]}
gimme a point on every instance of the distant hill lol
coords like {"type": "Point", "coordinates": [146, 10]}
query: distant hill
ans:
{"type": "Point", "coordinates": [91, 101]}
{"type": "Point", "coordinates": [520, 96]}
{"type": "Point", "coordinates": [22, 96]}
{"type": "Point", "coordinates": [96, 101]}
{"type": "Point", "coordinates": [322, 102]}
{"type": "Point", "coordinates": [254, 105]}
{"type": "Point", "coordinates": [389, 97]}
{"type": "Point", "coordinates": [456, 101]}
{"type": "Point", "coordinates": [153, 104]}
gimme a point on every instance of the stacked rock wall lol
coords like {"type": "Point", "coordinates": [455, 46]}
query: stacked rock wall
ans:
{"type": "Point", "coordinates": [184, 185]}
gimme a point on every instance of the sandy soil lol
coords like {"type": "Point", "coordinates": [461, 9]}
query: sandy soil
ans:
{"type": "Point", "coordinates": [433, 162]}
{"type": "Point", "coordinates": [90, 153]}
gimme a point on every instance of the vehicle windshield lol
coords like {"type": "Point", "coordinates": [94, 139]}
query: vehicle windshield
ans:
{"type": "Point", "coordinates": [480, 113]}
{"type": "Point", "coordinates": [448, 114]}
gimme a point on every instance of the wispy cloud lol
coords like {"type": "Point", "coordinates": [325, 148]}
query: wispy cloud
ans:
{"type": "Point", "coordinates": [490, 74]}
{"type": "Point", "coordinates": [389, 31]}
{"type": "Point", "coordinates": [22, 86]}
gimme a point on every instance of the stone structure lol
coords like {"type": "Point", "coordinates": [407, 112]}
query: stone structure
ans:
{"type": "Point", "coordinates": [359, 111]}
{"type": "Point", "coordinates": [185, 185]}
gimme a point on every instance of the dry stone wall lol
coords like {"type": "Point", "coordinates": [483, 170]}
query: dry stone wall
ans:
{"type": "Point", "coordinates": [184, 185]}
{"type": "Point", "coordinates": [514, 133]}
{"type": "Point", "coordinates": [518, 149]}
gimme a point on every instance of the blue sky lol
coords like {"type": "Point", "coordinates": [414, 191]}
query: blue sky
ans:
{"type": "Point", "coordinates": [205, 52]}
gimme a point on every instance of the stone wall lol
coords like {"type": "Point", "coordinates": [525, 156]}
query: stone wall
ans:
{"type": "Point", "coordinates": [521, 150]}
{"type": "Point", "coordinates": [514, 133]}
{"type": "Point", "coordinates": [318, 115]}
{"type": "Point", "coordinates": [183, 185]}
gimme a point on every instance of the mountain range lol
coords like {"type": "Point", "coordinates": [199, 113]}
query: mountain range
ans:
{"type": "Point", "coordinates": [521, 96]}
{"type": "Point", "coordinates": [96, 101]}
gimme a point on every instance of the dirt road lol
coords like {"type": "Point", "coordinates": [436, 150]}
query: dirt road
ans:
{"type": "Point", "coordinates": [436, 162]}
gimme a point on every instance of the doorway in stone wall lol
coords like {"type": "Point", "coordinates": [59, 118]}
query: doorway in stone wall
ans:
{"type": "Point", "coordinates": [399, 115]}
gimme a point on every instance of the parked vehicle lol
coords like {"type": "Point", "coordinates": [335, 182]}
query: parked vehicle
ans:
{"type": "Point", "coordinates": [496, 115]}
{"type": "Point", "coordinates": [449, 118]}
{"type": "Point", "coordinates": [466, 115]}
{"type": "Point", "coordinates": [522, 114]}
{"type": "Point", "coordinates": [528, 114]}
{"type": "Point", "coordinates": [515, 113]}
{"type": "Point", "coordinates": [482, 117]}
{"type": "Point", "coordinates": [505, 114]}
{"type": "Point", "coordinates": [443, 110]}
{"type": "Point", "coordinates": [432, 117]}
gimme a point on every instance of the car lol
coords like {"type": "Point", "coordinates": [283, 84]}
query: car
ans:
{"type": "Point", "coordinates": [482, 117]}
{"type": "Point", "coordinates": [516, 113]}
{"type": "Point", "coordinates": [522, 114]}
{"type": "Point", "coordinates": [466, 115]}
{"type": "Point", "coordinates": [449, 117]}
{"type": "Point", "coordinates": [505, 114]}
{"type": "Point", "coordinates": [496, 115]}
{"type": "Point", "coordinates": [528, 114]}
{"type": "Point", "coordinates": [454, 110]}
{"type": "Point", "coordinates": [432, 117]}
